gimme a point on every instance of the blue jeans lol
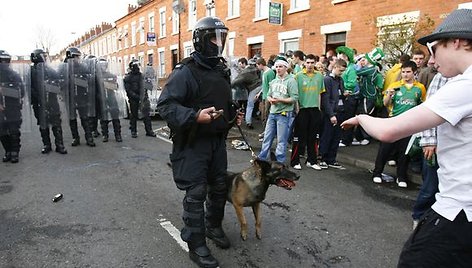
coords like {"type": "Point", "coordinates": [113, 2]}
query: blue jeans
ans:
{"type": "Point", "coordinates": [277, 124]}
{"type": "Point", "coordinates": [428, 190]}
{"type": "Point", "coordinates": [250, 104]}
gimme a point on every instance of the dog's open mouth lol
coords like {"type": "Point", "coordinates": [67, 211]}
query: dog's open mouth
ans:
{"type": "Point", "coordinates": [285, 183]}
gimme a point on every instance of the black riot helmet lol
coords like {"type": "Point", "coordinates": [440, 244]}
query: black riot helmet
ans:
{"type": "Point", "coordinates": [38, 55]}
{"type": "Point", "coordinates": [205, 30]}
{"type": "Point", "coordinates": [134, 65]}
{"type": "Point", "coordinates": [4, 57]}
{"type": "Point", "coordinates": [73, 52]}
{"type": "Point", "coordinates": [103, 64]}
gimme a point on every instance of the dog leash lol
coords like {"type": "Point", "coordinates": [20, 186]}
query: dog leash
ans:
{"type": "Point", "coordinates": [245, 140]}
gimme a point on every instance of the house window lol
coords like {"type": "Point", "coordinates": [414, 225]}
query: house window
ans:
{"type": "Point", "coordinates": [125, 36]}
{"type": "Point", "coordinates": [290, 44]}
{"type": "Point", "coordinates": [192, 13]}
{"type": "Point", "coordinates": [162, 66]}
{"type": "Point", "coordinates": [175, 22]}
{"type": "Point", "coordinates": [233, 8]}
{"type": "Point", "coordinates": [334, 40]}
{"type": "Point", "coordinates": [150, 59]}
{"type": "Point", "coordinates": [298, 5]}
{"type": "Point", "coordinates": [133, 33]}
{"type": "Point", "coordinates": [141, 31]}
{"type": "Point", "coordinates": [162, 22]}
{"type": "Point", "coordinates": [262, 9]}
{"type": "Point", "coordinates": [188, 48]}
{"type": "Point", "coordinates": [151, 22]}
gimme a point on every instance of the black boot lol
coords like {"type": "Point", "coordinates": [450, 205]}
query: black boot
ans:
{"type": "Point", "coordinates": [15, 144]}
{"type": "Point", "coordinates": [94, 127]}
{"type": "Point", "coordinates": [46, 141]}
{"type": "Point", "coordinates": [14, 157]}
{"type": "Point", "coordinates": [201, 255]}
{"type": "Point", "coordinates": [5, 140]}
{"type": "Point", "coordinates": [148, 127]}
{"type": "Point", "coordinates": [75, 132]}
{"type": "Point", "coordinates": [117, 129]}
{"type": "Point", "coordinates": [7, 157]}
{"type": "Point", "coordinates": [86, 124]}
{"type": "Point", "coordinates": [104, 125]}
{"type": "Point", "coordinates": [59, 141]}
{"type": "Point", "coordinates": [218, 236]}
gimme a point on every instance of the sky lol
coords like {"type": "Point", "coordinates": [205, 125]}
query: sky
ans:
{"type": "Point", "coordinates": [66, 20]}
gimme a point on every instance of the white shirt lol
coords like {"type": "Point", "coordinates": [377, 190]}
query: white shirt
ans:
{"type": "Point", "coordinates": [454, 150]}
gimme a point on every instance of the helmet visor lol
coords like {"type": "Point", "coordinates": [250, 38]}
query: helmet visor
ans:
{"type": "Point", "coordinates": [218, 38]}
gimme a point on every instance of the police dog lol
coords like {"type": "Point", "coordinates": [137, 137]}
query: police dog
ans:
{"type": "Point", "coordinates": [248, 189]}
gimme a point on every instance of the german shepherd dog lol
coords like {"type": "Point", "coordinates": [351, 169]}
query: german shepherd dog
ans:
{"type": "Point", "coordinates": [248, 189]}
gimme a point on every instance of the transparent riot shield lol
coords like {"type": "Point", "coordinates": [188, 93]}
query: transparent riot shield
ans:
{"type": "Point", "coordinates": [47, 98]}
{"type": "Point", "coordinates": [81, 94]}
{"type": "Point", "coordinates": [112, 102]}
{"type": "Point", "coordinates": [15, 112]}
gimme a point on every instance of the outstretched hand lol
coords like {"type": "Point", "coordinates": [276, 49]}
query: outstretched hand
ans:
{"type": "Point", "coordinates": [350, 123]}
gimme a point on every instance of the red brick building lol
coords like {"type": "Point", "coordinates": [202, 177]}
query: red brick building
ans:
{"type": "Point", "coordinates": [159, 31]}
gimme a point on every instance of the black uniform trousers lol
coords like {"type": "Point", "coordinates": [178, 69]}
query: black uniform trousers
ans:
{"type": "Point", "coordinates": [200, 168]}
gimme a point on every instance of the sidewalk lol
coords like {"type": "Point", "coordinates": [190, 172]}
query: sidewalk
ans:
{"type": "Point", "coordinates": [358, 156]}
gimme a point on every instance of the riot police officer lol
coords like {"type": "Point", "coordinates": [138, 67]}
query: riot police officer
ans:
{"type": "Point", "coordinates": [11, 93]}
{"type": "Point", "coordinates": [80, 95]}
{"type": "Point", "coordinates": [107, 89]}
{"type": "Point", "coordinates": [138, 99]}
{"type": "Point", "coordinates": [196, 103]}
{"type": "Point", "coordinates": [45, 91]}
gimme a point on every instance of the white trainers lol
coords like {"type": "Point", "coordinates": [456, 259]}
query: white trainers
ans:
{"type": "Point", "coordinates": [336, 165]}
{"type": "Point", "coordinates": [391, 163]}
{"type": "Point", "coordinates": [415, 224]}
{"type": "Point", "coordinates": [402, 184]}
{"type": "Point", "coordinates": [354, 142]}
{"type": "Point", "coordinates": [341, 144]}
{"type": "Point", "coordinates": [313, 166]}
{"type": "Point", "coordinates": [323, 165]}
{"type": "Point", "coordinates": [365, 142]}
{"type": "Point", "coordinates": [377, 179]}
{"type": "Point", "coordinates": [297, 167]}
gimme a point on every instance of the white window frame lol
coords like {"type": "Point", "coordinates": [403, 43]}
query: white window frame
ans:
{"type": "Point", "coordinates": [125, 36]}
{"type": "Point", "coordinates": [175, 22]}
{"type": "Point", "coordinates": [230, 43]}
{"type": "Point", "coordinates": [188, 48]}
{"type": "Point", "coordinates": [141, 31]}
{"type": "Point", "coordinates": [162, 22]}
{"type": "Point", "coordinates": [298, 6]}
{"type": "Point", "coordinates": [133, 33]}
{"type": "Point", "coordinates": [288, 37]}
{"type": "Point", "coordinates": [161, 52]}
{"type": "Point", "coordinates": [233, 9]}
{"type": "Point", "coordinates": [261, 13]}
{"type": "Point", "coordinates": [192, 14]}
{"type": "Point", "coordinates": [151, 22]}
{"type": "Point", "coordinates": [467, 5]}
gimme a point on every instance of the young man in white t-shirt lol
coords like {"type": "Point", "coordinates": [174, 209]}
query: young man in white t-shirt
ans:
{"type": "Point", "coordinates": [443, 237]}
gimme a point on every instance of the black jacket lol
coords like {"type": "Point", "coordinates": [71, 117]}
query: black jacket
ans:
{"type": "Point", "coordinates": [334, 87]}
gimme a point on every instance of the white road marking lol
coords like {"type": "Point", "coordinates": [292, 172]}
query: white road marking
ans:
{"type": "Point", "coordinates": [164, 139]}
{"type": "Point", "coordinates": [174, 232]}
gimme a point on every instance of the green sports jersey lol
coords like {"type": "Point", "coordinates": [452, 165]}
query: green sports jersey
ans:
{"type": "Point", "coordinates": [267, 76]}
{"type": "Point", "coordinates": [406, 98]}
{"type": "Point", "coordinates": [282, 88]}
{"type": "Point", "coordinates": [310, 86]}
